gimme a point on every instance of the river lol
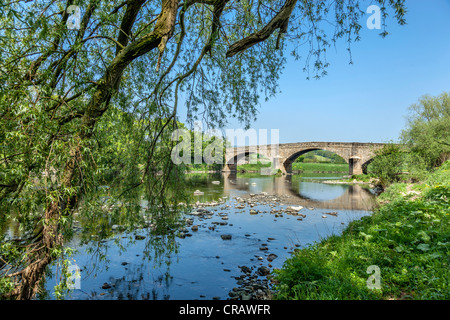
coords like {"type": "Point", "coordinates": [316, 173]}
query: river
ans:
{"type": "Point", "coordinates": [248, 229]}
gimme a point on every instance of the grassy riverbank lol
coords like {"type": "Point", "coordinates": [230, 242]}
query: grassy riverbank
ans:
{"type": "Point", "coordinates": [320, 167]}
{"type": "Point", "coordinates": [253, 167]}
{"type": "Point", "coordinates": [407, 237]}
{"type": "Point", "coordinates": [306, 167]}
{"type": "Point", "coordinates": [298, 166]}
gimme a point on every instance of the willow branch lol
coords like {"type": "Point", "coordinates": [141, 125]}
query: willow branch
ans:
{"type": "Point", "coordinates": [280, 21]}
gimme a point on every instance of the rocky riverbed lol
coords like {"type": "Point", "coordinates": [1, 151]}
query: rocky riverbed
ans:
{"type": "Point", "coordinates": [255, 280]}
{"type": "Point", "coordinates": [226, 248]}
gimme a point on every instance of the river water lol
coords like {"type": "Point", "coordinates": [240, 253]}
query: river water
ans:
{"type": "Point", "coordinates": [201, 264]}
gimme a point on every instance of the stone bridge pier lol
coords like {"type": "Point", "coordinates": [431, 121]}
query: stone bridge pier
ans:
{"type": "Point", "coordinates": [358, 155]}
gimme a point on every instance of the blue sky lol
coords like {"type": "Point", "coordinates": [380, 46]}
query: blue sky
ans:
{"type": "Point", "coordinates": [366, 101]}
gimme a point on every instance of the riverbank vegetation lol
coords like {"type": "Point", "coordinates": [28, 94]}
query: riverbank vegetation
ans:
{"type": "Point", "coordinates": [408, 235]}
{"type": "Point", "coordinates": [320, 167]}
{"type": "Point", "coordinates": [408, 238]}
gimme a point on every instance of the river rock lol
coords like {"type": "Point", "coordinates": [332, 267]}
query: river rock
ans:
{"type": "Point", "coordinates": [272, 257]}
{"type": "Point", "coordinates": [198, 193]}
{"type": "Point", "coordinates": [245, 269]}
{"type": "Point", "coordinates": [106, 286]}
{"type": "Point", "coordinates": [226, 236]}
{"type": "Point", "coordinates": [263, 271]}
{"type": "Point", "coordinates": [251, 287]}
{"type": "Point", "coordinates": [194, 227]}
{"type": "Point", "coordinates": [294, 209]}
{"type": "Point", "coordinates": [139, 237]}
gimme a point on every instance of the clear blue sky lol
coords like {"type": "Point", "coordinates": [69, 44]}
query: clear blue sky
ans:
{"type": "Point", "coordinates": [366, 101]}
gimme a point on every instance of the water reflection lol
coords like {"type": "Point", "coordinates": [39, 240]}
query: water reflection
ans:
{"type": "Point", "coordinates": [304, 191]}
{"type": "Point", "coordinates": [140, 264]}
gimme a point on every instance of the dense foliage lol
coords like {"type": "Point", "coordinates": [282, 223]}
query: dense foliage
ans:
{"type": "Point", "coordinates": [428, 129]}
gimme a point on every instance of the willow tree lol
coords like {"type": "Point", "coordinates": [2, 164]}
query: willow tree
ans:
{"type": "Point", "coordinates": [91, 86]}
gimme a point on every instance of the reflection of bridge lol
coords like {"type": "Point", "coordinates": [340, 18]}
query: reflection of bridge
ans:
{"type": "Point", "coordinates": [353, 198]}
{"type": "Point", "coordinates": [358, 155]}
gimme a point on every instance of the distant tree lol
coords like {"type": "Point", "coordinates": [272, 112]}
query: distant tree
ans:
{"type": "Point", "coordinates": [389, 163]}
{"type": "Point", "coordinates": [428, 129]}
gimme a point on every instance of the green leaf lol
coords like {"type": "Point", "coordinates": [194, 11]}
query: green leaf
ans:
{"type": "Point", "coordinates": [424, 236]}
{"type": "Point", "coordinates": [423, 246]}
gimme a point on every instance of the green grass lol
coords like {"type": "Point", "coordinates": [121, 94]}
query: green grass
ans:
{"type": "Point", "coordinates": [322, 167]}
{"type": "Point", "coordinates": [203, 167]}
{"type": "Point", "coordinates": [253, 166]}
{"type": "Point", "coordinates": [407, 238]}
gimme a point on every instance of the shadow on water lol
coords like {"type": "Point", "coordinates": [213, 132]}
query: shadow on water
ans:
{"type": "Point", "coordinates": [191, 260]}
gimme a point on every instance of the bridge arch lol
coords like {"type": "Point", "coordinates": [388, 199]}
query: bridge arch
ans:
{"type": "Point", "coordinates": [240, 158]}
{"type": "Point", "coordinates": [287, 164]}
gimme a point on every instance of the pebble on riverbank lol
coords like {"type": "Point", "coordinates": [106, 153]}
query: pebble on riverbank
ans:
{"type": "Point", "coordinates": [251, 286]}
{"type": "Point", "coordinates": [226, 236]}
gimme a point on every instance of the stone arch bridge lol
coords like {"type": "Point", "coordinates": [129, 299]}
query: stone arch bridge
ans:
{"type": "Point", "coordinates": [358, 155]}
